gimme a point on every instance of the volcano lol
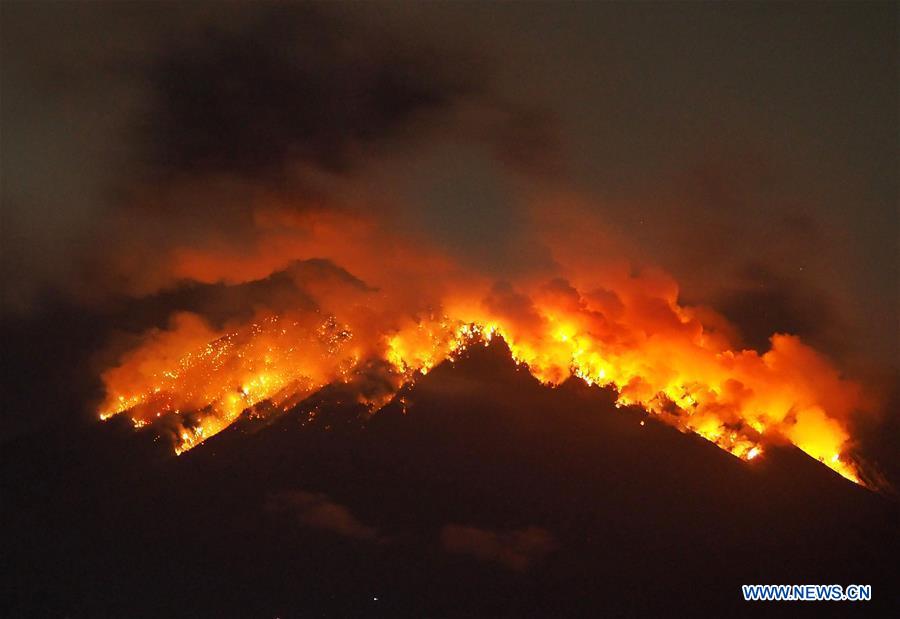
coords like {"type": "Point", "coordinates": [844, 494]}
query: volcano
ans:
{"type": "Point", "coordinates": [476, 492]}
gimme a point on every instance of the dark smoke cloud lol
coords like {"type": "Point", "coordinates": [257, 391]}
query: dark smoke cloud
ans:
{"type": "Point", "coordinates": [215, 113]}
{"type": "Point", "coordinates": [293, 86]}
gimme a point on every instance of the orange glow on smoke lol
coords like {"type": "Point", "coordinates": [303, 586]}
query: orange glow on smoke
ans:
{"type": "Point", "coordinates": [624, 331]}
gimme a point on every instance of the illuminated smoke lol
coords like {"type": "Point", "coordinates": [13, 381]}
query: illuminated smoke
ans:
{"type": "Point", "coordinates": [275, 163]}
{"type": "Point", "coordinates": [623, 330]}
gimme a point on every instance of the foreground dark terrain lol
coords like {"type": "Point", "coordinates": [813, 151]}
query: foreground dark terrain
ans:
{"type": "Point", "coordinates": [481, 494]}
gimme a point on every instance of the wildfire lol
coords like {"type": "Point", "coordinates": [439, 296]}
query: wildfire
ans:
{"type": "Point", "coordinates": [655, 353]}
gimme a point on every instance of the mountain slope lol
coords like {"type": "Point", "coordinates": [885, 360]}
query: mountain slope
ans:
{"type": "Point", "coordinates": [476, 492]}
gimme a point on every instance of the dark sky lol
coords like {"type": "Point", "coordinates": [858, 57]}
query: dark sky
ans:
{"type": "Point", "coordinates": [744, 146]}
{"type": "Point", "coordinates": [749, 149]}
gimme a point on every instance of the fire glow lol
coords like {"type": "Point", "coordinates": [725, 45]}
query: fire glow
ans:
{"type": "Point", "coordinates": [636, 338]}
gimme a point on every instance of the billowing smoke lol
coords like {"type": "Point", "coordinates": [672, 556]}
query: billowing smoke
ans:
{"type": "Point", "coordinates": [294, 173]}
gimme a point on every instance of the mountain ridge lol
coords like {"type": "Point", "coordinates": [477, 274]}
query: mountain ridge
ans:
{"type": "Point", "coordinates": [477, 491]}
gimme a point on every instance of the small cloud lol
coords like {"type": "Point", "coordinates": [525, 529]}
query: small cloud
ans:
{"type": "Point", "coordinates": [317, 511]}
{"type": "Point", "coordinates": [516, 549]}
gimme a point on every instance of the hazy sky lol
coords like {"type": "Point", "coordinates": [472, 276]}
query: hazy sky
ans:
{"type": "Point", "coordinates": [749, 149]}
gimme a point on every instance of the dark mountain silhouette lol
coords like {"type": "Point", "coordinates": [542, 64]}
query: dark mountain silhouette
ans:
{"type": "Point", "coordinates": [477, 492]}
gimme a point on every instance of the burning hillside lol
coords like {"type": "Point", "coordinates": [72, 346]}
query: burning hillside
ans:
{"type": "Point", "coordinates": [629, 333]}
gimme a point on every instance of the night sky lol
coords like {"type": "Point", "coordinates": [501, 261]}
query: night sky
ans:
{"type": "Point", "coordinates": [154, 154]}
{"type": "Point", "coordinates": [751, 150]}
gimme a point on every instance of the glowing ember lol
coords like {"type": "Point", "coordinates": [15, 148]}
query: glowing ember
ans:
{"type": "Point", "coordinates": [655, 353]}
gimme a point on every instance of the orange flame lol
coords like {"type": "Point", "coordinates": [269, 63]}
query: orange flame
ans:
{"type": "Point", "coordinates": [672, 360]}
